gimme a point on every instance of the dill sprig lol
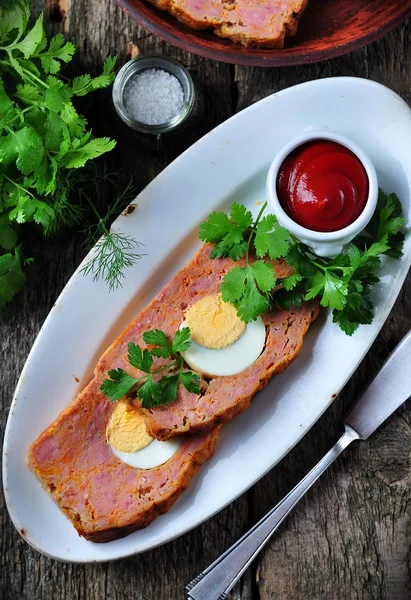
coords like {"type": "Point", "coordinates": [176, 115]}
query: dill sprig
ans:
{"type": "Point", "coordinates": [113, 251]}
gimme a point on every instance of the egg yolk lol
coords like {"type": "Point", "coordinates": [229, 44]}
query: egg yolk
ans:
{"type": "Point", "coordinates": [126, 430]}
{"type": "Point", "coordinates": [214, 323]}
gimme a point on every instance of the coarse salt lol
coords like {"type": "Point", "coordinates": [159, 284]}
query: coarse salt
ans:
{"type": "Point", "coordinates": [153, 97]}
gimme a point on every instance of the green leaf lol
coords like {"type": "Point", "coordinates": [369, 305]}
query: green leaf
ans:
{"type": "Point", "coordinates": [29, 94]}
{"type": "Point", "coordinates": [6, 104]}
{"type": "Point", "coordinates": [8, 236]}
{"type": "Point", "coordinates": [288, 299]}
{"type": "Point", "coordinates": [11, 276]}
{"type": "Point", "coordinates": [29, 43]}
{"type": "Point", "coordinates": [14, 18]}
{"type": "Point", "coordinates": [190, 381]}
{"type": "Point", "coordinates": [233, 285]}
{"type": "Point", "coordinates": [271, 239]}
{"type": "Point", "coordinates": [148, 393]}
{"type": "Point", "coordinates": [358, 310]}
{"type": "Point", "coordinates": [58, 49]}
{"type": "Point", "coordinates": [46, 176]}
{"type": "Point", "coordinates": [335, 292]}
{"type": "Point", "coordinates": [119, 384]}
{"type": "Point", "coordinates": [167, 389]}
{"type": "Point", "coordinates": [354, 256]}
{"type": "Point", "coordinates": [81, 85]}
{"type": "Point", "coordinates": [181, 341]}
{"type": "Point", "coordinates": [78, 157]}
{"type": "Point", "coordinates": [138, 358]}
{"type": "Point", "coordinates": [215, 228]}
{"type": "Point", "coordinates": [317, 284]}
{"type": "Point", "coordinates": [241, 216]}
{"type": "Point", "coordinates": [25, 147]}
{"type": "Point", "coordinates": [58, 94]}
{"type": "Point", "coordinates": [252, 304]}
{"type": "Point", "coordinates": [158, 338]}
{"type": "Point", "coordinates": [239, 287]}
{"type": "Point", "coordinates": [227, 233]}
{"type": "Point", "coordinates": [264, 275]}
{"type": "Point", "coordinates": [290, 282]}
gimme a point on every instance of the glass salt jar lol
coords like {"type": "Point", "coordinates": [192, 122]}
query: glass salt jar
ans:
{"type": "Point", "coordinates": [154, 94]}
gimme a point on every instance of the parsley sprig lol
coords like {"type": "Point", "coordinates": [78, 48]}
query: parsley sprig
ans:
{"type": "Point", "coordinates": [343, 283]}
{"type": "Point", "coordinates": [247, 287]}
{"type": "Point", "coordinates": [154, 391]}
{"type": "Point", "coordinates": [44, 141]}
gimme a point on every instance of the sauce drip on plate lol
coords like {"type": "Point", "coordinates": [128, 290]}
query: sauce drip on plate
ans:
{"type": "Point", "coordinates": [322, 186]}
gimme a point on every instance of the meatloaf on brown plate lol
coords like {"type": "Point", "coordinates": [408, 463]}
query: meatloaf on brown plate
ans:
{"type": "Point", "coordinates": [261, 23]}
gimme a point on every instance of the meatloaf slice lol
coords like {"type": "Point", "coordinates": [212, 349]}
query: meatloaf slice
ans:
{"type": "Point", "coordinates": [104, 498]}
{"type": "Point", "coordinates": [263, 23]}
{"type": "Point", "coordinates": [221, 398]}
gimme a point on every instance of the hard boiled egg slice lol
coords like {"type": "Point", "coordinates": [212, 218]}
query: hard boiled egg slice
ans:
{"type": "Point", "coordinates": [128, 438]}
{"type": "Point", "coordinates": [221, 344]}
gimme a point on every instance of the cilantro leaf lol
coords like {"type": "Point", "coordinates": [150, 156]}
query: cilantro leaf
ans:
{"type": "Point", "coordinates": [181, 341]}
{"type": "Point", "coordinates": [271, 239]}
{"type": "Point", "coordinates": [149, 393]}
{"type": "Point", "coordinates": [119, 384]}
{"type": "Point", "coordinates": [25, 147]}
{"type": "Point", "coordinates": [28, 44]}
{"type": "Point", "coordinates": [158, 338]}
{"type": "Point", "coordinates": [290, 282]}
{"type": "Point", "coordinates": [138, 358]}
{"type": "Point", "coordinates": [227, 233]}
{"type": "Point", "coordinates": [78, 156]}
{"type": "Point", "coordinates": [358, 310]}
{"type": "Point", "coordinates": [247, 288]}
{"type": "Point", "coordinates": [233, 285]}
{"type": "Point", "coordinates": [190, 381]}
{"type": "Point", "coordinates": [241, 216]}
{"type": "Point", "coordinates": [11, 276]}
{"type": "Point", "coordinates": [8, 236]}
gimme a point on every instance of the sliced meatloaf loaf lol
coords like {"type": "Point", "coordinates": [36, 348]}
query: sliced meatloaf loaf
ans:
{"type": "Point", "coordinates": [263, 23]}
{"type": "Point", "coordinates": [221, 398]}
{"type": "Point", "coordinates": [104, 498]}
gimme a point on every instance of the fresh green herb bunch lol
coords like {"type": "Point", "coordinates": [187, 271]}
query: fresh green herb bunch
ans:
{"type": "Point", "coordinates": [154, 392]}
{"type": "Point", "coordinates": [343, 283]}
{"type": "Point", "coordinates": [42, 136]}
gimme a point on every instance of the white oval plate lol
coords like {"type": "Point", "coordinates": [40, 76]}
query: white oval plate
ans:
{"type": "Point", "coordinates": [228, 164]}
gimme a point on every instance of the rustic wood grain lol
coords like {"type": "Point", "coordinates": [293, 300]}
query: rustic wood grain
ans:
{"type": "Point", "coordinates": [350, 538]}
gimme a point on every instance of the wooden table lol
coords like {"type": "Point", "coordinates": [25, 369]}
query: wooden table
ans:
{"type": "Point", "coordinates": [350, 538]}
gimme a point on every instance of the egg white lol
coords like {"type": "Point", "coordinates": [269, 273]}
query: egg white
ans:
{"type": "Point", "coordinates": [153, 455]}
{"type": "Point", "coordinates": [232, 359]}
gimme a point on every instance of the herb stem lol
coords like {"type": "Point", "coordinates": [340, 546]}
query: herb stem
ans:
{"type": "Point", "coordinates": [171, 365]}
{"type": "Point", "coordinates": [94, 209]}
{"type": "Point", "coordinates": [254, 229]}
{"type": "Point", "coordinates": [25, 190]}
{"type": "Point", "coordinates": [33, 76]}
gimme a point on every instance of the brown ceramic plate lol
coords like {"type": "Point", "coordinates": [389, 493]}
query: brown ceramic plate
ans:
{"type": "Point", "coordinates": [328, 28]}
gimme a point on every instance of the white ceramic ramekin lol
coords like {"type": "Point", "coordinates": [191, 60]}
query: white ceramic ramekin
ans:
{"type": "Point", "coordinates": [322, 243]}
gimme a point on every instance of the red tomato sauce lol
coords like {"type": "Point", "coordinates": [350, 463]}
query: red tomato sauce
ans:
{"type": "Point", "coordinates": [322, 186]}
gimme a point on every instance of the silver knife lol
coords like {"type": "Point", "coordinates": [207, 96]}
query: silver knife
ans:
{"type": "Point", "coordinates": [390, 388]}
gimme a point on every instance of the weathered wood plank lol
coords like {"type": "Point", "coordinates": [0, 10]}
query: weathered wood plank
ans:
{"type": "Point", "coordinates": [350, 537]}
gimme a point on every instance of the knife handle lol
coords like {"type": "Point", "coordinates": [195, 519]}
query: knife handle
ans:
{"type": "Point", "coordinates": [219, 578]}
{"type": "Point", "coordinates": [390, 388]}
